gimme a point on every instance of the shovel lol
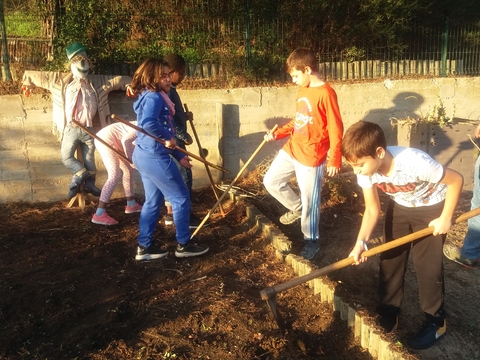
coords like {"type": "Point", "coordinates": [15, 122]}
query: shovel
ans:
{"type": "Point", "coordinates": [269, 294]}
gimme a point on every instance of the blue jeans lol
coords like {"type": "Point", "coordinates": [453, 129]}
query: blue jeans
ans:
{"type": "Point", "coordinates": [471, 243]}
{"type": "Point", "coordinates": [161, 177]}
{"type": "Point", "coordinates": [187, 179]}
{"type": "Point", "coordinates": [72, 137]}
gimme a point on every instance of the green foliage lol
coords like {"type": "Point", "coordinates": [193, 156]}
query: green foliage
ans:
{"type": "Point", "coordinates": [473, 37]}
{"type": "Point", "coordinates": [128, 31]}
{"type": "Point", "coordinates": [437, 114]}
{"type": "Point", "coordinates": [22, 24]}
{"type": "Point", "coordinates": [353, 53]}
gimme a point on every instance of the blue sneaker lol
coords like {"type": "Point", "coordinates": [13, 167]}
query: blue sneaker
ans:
{"type": "Point", "coordinates": [310, 249]}
{"type": "Point", "coordinates": [427, 335]}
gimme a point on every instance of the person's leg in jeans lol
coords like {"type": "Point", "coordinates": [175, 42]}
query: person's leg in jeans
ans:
{"type": "Point", "coordinates": [150, 211]}
{"type": "Point", "coordinates": [471, 243]}
{"type": "Point", "coordinates": [70, 142]}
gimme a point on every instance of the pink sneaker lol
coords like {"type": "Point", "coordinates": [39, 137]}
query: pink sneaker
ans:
{"type": "Point", "coordinates": [133, 209]}
{"type": "Point", "coordinates": [104, 219]}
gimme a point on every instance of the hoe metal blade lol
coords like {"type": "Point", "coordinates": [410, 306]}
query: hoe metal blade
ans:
{"type": "Point", "coordinates": [272, 304]}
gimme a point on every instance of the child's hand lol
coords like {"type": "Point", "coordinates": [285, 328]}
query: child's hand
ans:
{"type": "Point", "coordinates": [130, 92]}
{"type": "Point", "coordinates": [189, 115]}
{"type": "Point", "coordinates": [477, 131]}
{"type": "Point", "coordinates": [441, 226]}
{"type": "Point", "coordinates": [184, 136]}
{"type": "Point", "coordinates": [26, 90]}
{"type": "Point", "coordinates": [171, 144]}
{"type": "Point", "coordinates": [357, 251]}
{"type": "Point", "coordinates": [332, 170]}
{"type": "Point", "coordinates": [269, 136]}
{"type": "Point", "coordinates": [185, 162]}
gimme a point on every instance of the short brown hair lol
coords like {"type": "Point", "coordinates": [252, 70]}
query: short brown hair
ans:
{"type": "Point", "coordinates": [175, 62]}
{"type": "Point", "coordinates": [148, 75]}
{"type": "Point", "coordinates": [362, 139]}
{"type": "Point", "coordinates": [300, 58]}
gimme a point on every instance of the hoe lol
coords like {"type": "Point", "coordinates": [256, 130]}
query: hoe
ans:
{"type": "Point", "coordinates": [269, 294]}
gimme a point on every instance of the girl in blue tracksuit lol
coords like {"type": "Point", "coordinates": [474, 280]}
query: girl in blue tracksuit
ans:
{"type": "Point", "coordinates": [160, 176]}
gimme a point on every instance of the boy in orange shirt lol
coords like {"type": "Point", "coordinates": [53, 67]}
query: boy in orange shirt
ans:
{"type": "Point", "coordinates": [315, 130]}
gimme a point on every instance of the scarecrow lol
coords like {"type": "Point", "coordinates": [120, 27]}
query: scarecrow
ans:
{"type": "Point", "coordinates": [77, 98]}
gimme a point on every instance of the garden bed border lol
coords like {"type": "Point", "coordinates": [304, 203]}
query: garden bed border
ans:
{"type": "Point", "coordinates": [366, 335]}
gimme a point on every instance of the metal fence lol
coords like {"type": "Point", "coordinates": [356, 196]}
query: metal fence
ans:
{"type": "Point", "coordinates": [259, 46]}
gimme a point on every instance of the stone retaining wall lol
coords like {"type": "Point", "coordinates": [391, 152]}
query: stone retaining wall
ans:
{"type": "Point", "coordinates": [230, 123]}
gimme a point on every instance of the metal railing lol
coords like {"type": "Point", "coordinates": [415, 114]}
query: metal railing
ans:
{"type": "Point", "coordinates": [259, 46]}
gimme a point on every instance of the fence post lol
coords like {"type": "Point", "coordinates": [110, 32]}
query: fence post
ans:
{"type": "Point", "coordinates": [443, 70]}
{"type": "Point", "coordinates": [247, 33]}
{"type": "Point", "coordinates": [3, 31]}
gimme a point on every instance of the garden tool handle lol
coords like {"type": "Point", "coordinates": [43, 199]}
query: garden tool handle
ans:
{"type": "Point", "coordinates": [139, 129]}
{"type": "Point", "coordinates": [195, 134]}
{"type": "Point", "coordinates": [202, 154]}
{"type": "Point", "coordinates": [244, 167]}
{"type": "Point", "coordinates": [271, 291]}
{"type": "Point", "coordinates": [102, 141]}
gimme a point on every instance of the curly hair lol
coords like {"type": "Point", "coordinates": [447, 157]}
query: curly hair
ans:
{"type": "Point", "coordinates": [148, 75]}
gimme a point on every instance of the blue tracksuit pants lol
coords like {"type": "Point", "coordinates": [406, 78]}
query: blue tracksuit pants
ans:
{"type": "Point", "coordinates": [161, 178]}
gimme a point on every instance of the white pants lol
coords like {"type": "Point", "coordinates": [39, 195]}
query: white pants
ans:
{"type": "Point", "coordinates": [309, 179]}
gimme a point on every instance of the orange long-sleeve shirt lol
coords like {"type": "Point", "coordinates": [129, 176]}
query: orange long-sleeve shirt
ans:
{"type": "Point", "coordinates": [316, 128]}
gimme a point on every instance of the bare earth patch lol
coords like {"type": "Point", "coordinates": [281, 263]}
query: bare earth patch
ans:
{"type": "Point", "coordinates": [72, 289]}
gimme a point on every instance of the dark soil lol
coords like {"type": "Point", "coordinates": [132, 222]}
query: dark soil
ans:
{"type": "Point", "coordinates": [70, 289]}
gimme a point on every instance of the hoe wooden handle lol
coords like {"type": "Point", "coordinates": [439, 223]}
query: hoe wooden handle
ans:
{"type": "Point", "coordinates": [139, 129]}
{"type": "Point", "coordinates": [271, 291]}
{"type": "Point", "coordinates": [244, 167]}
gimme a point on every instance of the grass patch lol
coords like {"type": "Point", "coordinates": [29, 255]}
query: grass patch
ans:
{"type": "Point", "coordinates": [23, 24]}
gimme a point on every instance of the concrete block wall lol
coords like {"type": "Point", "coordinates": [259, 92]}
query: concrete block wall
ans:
{"type": "Point", "coordinates": [230, 123]}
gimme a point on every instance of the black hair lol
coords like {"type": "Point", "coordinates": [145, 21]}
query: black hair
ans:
{"type": "Point", "coordinates": [175, 62]}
